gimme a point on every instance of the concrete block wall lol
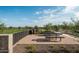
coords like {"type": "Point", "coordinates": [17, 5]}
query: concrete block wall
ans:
{"type": "Point", "coordinates": [4, 43]}
{"type": "Point", "coordinates": [10, 39]}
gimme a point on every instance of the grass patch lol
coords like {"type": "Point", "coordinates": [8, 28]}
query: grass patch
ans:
{"type": "Point", "coordinates": [10, 31]}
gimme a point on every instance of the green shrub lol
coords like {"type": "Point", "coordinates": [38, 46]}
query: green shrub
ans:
{"type": "Point", "coordinates": [31, 49]}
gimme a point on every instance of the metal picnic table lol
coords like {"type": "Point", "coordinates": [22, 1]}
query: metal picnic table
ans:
{"type": "Point", "coordinates": [55, 35]}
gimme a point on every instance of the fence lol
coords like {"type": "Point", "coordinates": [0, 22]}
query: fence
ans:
{"type": "Point", "coordinates": [18, 36]}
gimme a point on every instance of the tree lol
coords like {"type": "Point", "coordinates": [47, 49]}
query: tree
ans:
{"type": "Point", "coordinates": [19, 27]}
{"type": "Point", "coordinates": [65, 26]}
{"type": "Point", "coordinates": [48, 27]}
{"type": "Point", "coordinates": [2, 27]}
{"type": "Point", "coordinates": [10, 27]}
{"type": "Point", "coordinates": [76, 23]}
{"type": "Point", "coordinates": [36, 29]}
{"type": "Point", "coordinates": [71, 26]}
{"type": "Point", "coordinates": [55, 27]}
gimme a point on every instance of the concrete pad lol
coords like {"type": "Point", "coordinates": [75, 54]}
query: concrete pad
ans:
{"type": "Point", "coordinates": [35, 39]}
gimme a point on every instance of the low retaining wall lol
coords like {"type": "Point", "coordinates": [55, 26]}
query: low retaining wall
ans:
{"type": "Point", "coordinates": [4, 43]}
{"type": "Point", "coordinates": [8, 40]}
{"type": "Point", "coordinates": [18, 36]}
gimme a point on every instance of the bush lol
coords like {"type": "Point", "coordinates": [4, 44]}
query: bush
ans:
{"type": "Point", "coordinates": [30, 49]}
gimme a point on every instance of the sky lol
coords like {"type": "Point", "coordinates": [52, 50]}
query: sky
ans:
{"type": "Point", "coordinates": [37, 15]}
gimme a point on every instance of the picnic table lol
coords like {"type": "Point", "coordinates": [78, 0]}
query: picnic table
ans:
{"type": "Point", "coordinates": [54, 36]}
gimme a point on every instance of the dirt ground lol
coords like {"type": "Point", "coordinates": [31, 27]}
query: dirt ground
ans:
{"type": "Point", "coordinates": [46, 48]}
{"type": "Point", "coordinates": [67, 44]}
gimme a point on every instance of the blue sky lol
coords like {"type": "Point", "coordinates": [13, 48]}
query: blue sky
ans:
{"type": "Point", "coordinates": [37, 15]}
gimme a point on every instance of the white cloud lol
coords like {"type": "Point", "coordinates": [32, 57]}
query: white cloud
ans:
{"type": "Point", "coordinates": [69, 8]}
{"type": "Point", "coordinates": [77, 14]}
{"type": "Point", "coordinates": [46, 11]}
{"type": "Point", "coordinates": [4, 19]}
{"type": "Point", "coordinates": [38, 12]}
{"type": "Point", "coordinates": [52, 16]}
{"type": "Point", "coordinates": [73, 10]}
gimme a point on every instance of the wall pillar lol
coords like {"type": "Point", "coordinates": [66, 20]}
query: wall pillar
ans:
{"type": "Point", "coordinates": [10, 44]}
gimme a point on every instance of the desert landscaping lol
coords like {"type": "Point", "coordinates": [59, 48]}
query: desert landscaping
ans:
{"type": "Point", "coordinates": [39, 29]}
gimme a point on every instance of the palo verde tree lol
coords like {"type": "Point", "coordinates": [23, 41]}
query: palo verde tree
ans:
{"type": "Point", "coordinates": [76, 23]}
{"type": "Point", "coordinates": [48, 27]}
{"type": "Point", "coordinates": [56, 27]}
